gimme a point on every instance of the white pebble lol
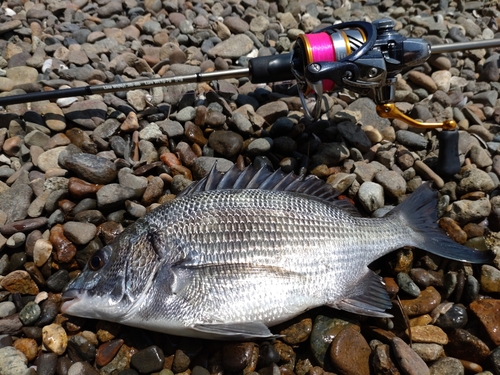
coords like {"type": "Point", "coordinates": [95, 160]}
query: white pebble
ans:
{"type": "Point", "coordinates": [47, 64]}
{"type": "Point", "coordinates": [42, 296]}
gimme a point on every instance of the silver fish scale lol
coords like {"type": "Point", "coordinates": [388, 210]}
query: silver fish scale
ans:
{"type": "Point", "coordinates": [258, 255]}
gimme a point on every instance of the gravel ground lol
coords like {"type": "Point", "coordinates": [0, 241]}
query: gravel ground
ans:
{"type": "Point", "coordinates": [75, 172]}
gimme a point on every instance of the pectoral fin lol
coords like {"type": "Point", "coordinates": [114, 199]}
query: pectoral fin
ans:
{"type": "Point", "coordinates": [236, 331]}
{"type": "Point", "coordinates": [369, 297]}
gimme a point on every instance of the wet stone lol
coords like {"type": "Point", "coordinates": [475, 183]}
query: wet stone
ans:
{"type": "Point", "coordinates": [428, 334]}
{"type": "Point", "coordinates": [455, 317]}
{"type": "Point", "coordinates": [298, 332]}
{"type": "Point", "coordinates": [464, 345]}
{"type": "Point", "coordinates": [406, 284]}
{"type": "Point", "coordinates": [323, 333]}
{"type": "Point", "coordinates": [82, 368]}
{"type": "Point", "coordinates": [237, 356]}
{"type": "Point", "coordinates": [429, 298]}
{"type": "Point", "coordinates": [181, 362]}
{"type": "Point", "coordinates": [19, 282]}
{"type": "Point", "coordinates": [30, 313]}
{"type": "Point", "coordinates": [79, 349]}
{"type": "Point", "coordinates": [488, 311]}
{"type": "Point", "coordinates": [382, 362]}
{"type": "Point", "coordinates": [50, 309]}
{"type": "Point", "coordinates": [408, 360]}
{"type": "Point", "coordinates": [58, 281]}
{"type": "Point", "coordinates": [490, 279]}
{"type": "Point", "coordinates": [47, 364]}
{"type": "Point", "coordinates": [267, 355]}
{"type": "Point", "coordinates": [107, 351]}
{"type": "Point", "coordinates": [148, 360]}
{"type": "Point", "coordinates": [350, 353]}
{"type": "Point", "coordinates": [54, 338]}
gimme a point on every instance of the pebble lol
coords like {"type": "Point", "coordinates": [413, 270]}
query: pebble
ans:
{"type": "Point", "coordinates": [487, 311]}
{"type": "Point", "coordinates": [90, 168]}
{"type": "Point", "coordinates": [381, 360]}
{"type": "Point", "coordinates": [28, 347]}
{"type": "Point", "coordinates": [7, 308]}
{"type": "Point", "coordinates": [79, 233]}
{"type": "Point", "coordinates": [428, 351]}
{"type": "Point", "coordinates": [12, 361]}
{"type": "Point", "coordinates": [54, 338]}
{"type": "Point", "coordinates": [236, 357]}
{"type": "Point", "coordinates": [298, 332]}
{"type": "Point", "coordinates": [324, 331]}
{"type": "Point", "coordinates": [107, 351]}
{"type": "Point", "coordinates": [429, 298]}
{"type": "Point", "coordinates": [428, 334]}
{"type": "Point", "coordinates": [350, 344]}
{"type": "Point", "coordinates": [464, 345]}
{"type": "Point", "coordinates": [371, 196]}
{"type": "Point", "coordinates": [46, 364]}
{"type": "Point", "coordinates": [409, 361]}
{"type": "Point", "coordinates": [148, 360]}
{"type": "Point", "coordinates": [447, 366]}
{"type": "Point", "coordinates": [30, 313]}
{"type": "Point", "coordinates": [19, 282]}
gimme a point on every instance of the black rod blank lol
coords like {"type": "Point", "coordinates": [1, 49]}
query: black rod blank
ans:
{"type": "Point", "coordinates": [261, 70]}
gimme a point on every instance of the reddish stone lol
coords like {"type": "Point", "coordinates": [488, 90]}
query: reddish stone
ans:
{"type": "Point", "coordinates": [19, 282]}
{"type": "Point", "coordinates": [350, 353]}
{"type": "Point", "coordinates": [488, 313]}
{"type": "Point", "coordinates": [82, 189]}
{"type": "Point", "coordinates": [428, 300]}
{"type": "Point", "coordinates": [64, 249]}
{"type": "Point", "coordinates": [107, 351]}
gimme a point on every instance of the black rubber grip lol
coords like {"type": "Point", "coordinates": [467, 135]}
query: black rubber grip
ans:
{"type": "Point", "coordinates": [448, 160]}
{"type": "Point", "coordinates": [274, 68]}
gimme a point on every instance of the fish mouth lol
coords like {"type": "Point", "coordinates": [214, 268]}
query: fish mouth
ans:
{"type": "Point", "coordinates": [70, 298]}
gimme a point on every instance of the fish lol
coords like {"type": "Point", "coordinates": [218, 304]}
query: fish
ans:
{"type": "Point", "coordinates": [239, 252]}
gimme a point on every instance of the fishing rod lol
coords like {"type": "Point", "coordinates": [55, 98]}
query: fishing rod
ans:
{"type": "Point", "coordinates": [359, 56]}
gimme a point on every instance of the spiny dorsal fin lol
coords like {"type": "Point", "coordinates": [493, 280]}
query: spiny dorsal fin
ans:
{"type": "Point", "coordinates": [263, 179]}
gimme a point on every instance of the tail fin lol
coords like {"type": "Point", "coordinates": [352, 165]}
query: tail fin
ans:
{"type": "Point", "coordinates": [420, 213]}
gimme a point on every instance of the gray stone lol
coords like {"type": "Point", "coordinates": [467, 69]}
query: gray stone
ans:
{"type": "Point", "coordinates": [113, 194]}
{"type": "Point", "coordinates": [13, 362]}
{"type": "Point", "coordinates": [79, 233]}
{"type": "Point", "coordinates": [447, 366]}
{"type": "Point", "coordinates": [411, 140]}
{"type": "Point", "coordinates": [392, 182]}
{"type": "Point", "coordinates": [7, 308]}
{"type": "Point", "coordinates": [371, 196]}
{"type": "Point", "coordinates": [89, 167]}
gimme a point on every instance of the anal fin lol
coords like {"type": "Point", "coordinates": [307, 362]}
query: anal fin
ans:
{"type": "Point", "coordinates": [369, 297]}
{"type": "Point", "coordinates": [235, 331]}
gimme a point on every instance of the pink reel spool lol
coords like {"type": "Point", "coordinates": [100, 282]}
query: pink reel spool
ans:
{"type": "Point", "coordinates": [319, 47]}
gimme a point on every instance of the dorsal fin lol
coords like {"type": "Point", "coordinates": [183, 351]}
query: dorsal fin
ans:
{"type": "Point", "coordinates": [263, 179]}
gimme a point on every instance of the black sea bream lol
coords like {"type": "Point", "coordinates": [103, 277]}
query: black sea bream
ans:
{"type": "Point", "coordinates": [237, 253]}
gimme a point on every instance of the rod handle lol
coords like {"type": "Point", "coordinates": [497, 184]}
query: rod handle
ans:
{"type": "Point", "coordinates": [273, 68]}
{"type": "Point", "coordinates": [448, 159]}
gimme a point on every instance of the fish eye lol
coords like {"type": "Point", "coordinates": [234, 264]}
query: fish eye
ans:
{"type": "Point", "coordinates": [97, 261]}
